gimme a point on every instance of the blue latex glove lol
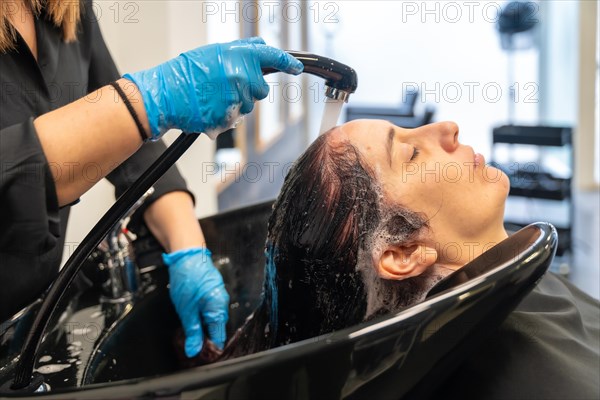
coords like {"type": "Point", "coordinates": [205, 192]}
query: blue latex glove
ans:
{"type": "Point", "coordinates": [199, 296]}
{"type": "Point", "coordinates": [207, 89]}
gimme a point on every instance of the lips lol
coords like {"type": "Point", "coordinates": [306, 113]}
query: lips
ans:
{"type": "Point", "coordinates": [478, 159]}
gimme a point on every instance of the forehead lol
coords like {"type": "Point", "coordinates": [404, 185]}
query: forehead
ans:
{"type": "Point", "coordinates": [370, 137]}
{"type": "Point", "coordinates": [362, 130]}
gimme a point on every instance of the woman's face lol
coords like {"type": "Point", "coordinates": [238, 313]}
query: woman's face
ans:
{"type": "Point", "coordinates": [427, 170]}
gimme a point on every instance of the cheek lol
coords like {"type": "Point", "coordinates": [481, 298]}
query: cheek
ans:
{"type": "Point", "coordinates": [424, 196]}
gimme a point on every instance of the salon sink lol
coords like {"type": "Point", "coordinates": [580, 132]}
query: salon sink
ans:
{"type": "Point", "coordinates": [236, 239]}
{"type": "Point", "coordinates": [395, 356]}
{"type": "Point", "coordinates": [141, 341]}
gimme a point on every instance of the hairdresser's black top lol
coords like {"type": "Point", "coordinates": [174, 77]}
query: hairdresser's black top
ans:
{"type": "Point", "coordinates": [32, 228]}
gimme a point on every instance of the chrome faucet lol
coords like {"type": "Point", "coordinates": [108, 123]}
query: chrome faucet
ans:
{"type": "Point", "coordinates": [122, 281]}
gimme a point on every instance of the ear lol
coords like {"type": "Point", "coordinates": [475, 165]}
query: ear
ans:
{"type": "Point", "coordinates": [402, 262]}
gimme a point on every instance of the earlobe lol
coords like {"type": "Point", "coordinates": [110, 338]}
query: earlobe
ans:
{"type": "Point", "coordinates": [402, 262]}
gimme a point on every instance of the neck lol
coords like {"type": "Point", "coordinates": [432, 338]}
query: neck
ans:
{"type": "Point", "coordinates": [21, 17]}
{"type": "Point", "coordinates": [455, 254]}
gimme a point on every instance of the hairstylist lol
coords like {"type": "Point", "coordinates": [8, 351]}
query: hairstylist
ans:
{"type": "Point", "coordinates": [51, 55]}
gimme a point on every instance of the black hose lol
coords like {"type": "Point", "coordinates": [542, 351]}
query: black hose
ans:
{"type": "Point", "coordinates": [24, 369]}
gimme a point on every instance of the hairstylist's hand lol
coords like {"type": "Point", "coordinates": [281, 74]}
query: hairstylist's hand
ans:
{"type": "Point", "coordinates": [206, 89]}
{"type": "Point", "coordinates": [199, 296]}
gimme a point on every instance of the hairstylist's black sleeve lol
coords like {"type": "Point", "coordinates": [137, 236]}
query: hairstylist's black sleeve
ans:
{"type": "Point", "coordinates": [29, 218]}
{"type": "Point", "coordinates": [28, 202]}
{"type": "Point", "coordinates": [102, 71]}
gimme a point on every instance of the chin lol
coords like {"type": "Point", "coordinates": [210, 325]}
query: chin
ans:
{"type": "Point", "coordinates": [505, 182]}
{"type": "Point", "coordinates": [499, 180]}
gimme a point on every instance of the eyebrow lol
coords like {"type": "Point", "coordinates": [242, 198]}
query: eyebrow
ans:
{"type": "Point", "coordinates": [390, 145]}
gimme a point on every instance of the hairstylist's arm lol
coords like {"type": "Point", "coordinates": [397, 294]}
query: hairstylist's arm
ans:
{"type": "Point", "coordinates": [195, 92]}
{"type": "Point", "coordinates": [85, 140]}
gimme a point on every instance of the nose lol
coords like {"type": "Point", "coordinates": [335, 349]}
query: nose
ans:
{"type": "Point", "coordinates": [447, 135]}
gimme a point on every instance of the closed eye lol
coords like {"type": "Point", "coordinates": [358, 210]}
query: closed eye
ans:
{"type": "Point", "coordinates": [415, 153]}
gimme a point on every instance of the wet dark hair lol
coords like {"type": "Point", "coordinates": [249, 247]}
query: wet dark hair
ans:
{"type": "Point", "coordinates": [328, 220]}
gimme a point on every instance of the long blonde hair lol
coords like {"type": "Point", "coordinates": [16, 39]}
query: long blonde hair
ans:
{"type": "Point", "coordinates": [64, 13]}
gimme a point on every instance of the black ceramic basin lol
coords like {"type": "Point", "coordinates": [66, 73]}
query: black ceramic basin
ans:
{"type": "Point", "coordinates": [396, 356]}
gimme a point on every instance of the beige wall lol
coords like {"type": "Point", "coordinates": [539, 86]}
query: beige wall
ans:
{"type": "Point", "coordinates": [139, 35]}
{"type": "Point", "coordinates": [586, 139]}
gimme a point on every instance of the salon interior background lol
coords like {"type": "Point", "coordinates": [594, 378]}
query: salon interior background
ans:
{"type": "Point", "coordinates": [449, 50]}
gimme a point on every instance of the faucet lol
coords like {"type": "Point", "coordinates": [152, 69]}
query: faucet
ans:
{"type": "Point", "coordinates": [122, 282]}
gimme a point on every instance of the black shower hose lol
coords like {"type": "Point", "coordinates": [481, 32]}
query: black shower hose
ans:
{"type": "Point", "coordinates": [24, 369]}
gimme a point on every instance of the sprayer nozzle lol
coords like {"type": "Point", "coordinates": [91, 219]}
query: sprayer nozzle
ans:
{"type": "Point", "coordinates": [337, 94]}
{"type": "Point", "coordinates": [341, 80]}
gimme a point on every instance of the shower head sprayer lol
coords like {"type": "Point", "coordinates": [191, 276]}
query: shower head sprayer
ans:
{"type": "Point", "coordinates": [340, 80]}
